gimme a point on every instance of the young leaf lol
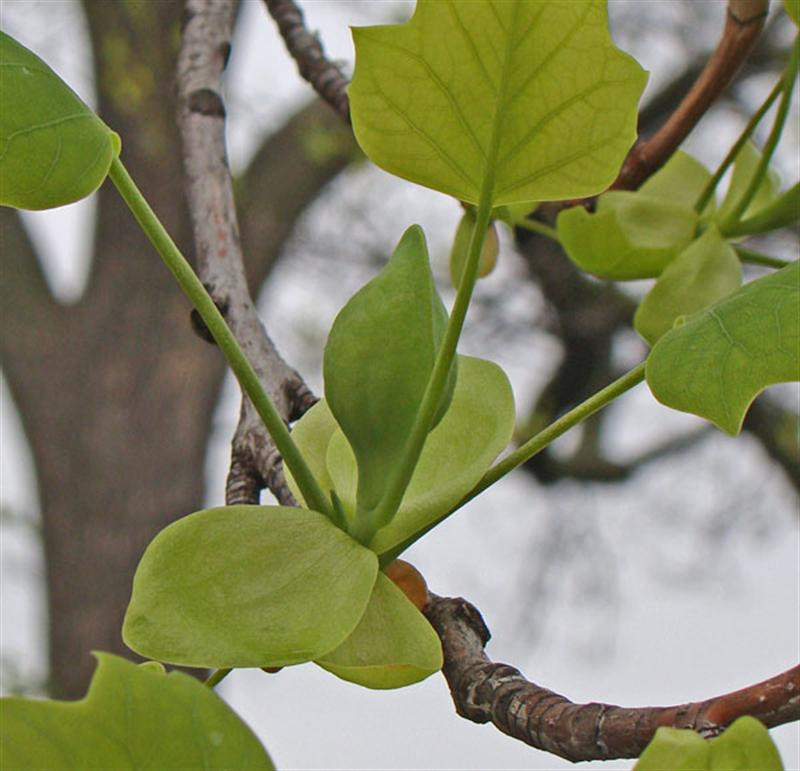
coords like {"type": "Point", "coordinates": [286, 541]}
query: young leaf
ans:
{"type": "Point", "coordinates": [782, 211]}
{"type": "Point", "coordinates": [631, 235]}
{"type": "Point", "coordinates": [458, 451]}
{"type": "Point", "coordinates": [133, 717]}
{"type": "Point", "coordinates": [744, 168]}
{"type": "Point", "coordinates": [378, 360]}
{"type": "Point", "coordinates": [674, 749]}
{"type": "Point", "coordinates": [716, 363]}
{"type": "Point", "coordinates": [53, 149]}
{"type": "Point", "coordinates": [458, 253]}
{"type": "Point", "coordinates": [636, 235]}
{"type": "Point", "coordinates": [311, 434]}
{"type": "Point", "coordinates": [532, 99]}
{"type": "Point", "coordinates": [247, 586]}
{"type": "Point", "coordinates": [392, 646]}
{"type": "Point", "coordinates": [706, 271]}
{"type": "Point", "coordinates": [744, 746]}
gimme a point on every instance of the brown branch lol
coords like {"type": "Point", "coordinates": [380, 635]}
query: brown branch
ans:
{"type": "Point", "coordinates": [743, 24]}
{"type": "Point", "coordinates": [305, 48]}
{"type": "Point", "coordinates": [204, 52]}
{"type": "Point", "coordinates": [484, 691]}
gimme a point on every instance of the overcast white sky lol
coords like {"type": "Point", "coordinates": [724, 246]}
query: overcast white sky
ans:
{"type": "Point", "coordinates": [650, 606]}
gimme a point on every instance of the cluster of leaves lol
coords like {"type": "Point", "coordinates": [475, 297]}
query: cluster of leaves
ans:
{"type": "Point", "coordinates": [525, 102]}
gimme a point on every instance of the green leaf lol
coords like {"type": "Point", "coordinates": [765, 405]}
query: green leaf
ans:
{"type": "Point", "coordinates": [745, 745]}
{"type": "Point", "coordinates": [706, 271]}
{"type": "Point", "coordinates": [133, 717]}
{"type": "Point", "coordinates": [532, 100]}
{"type": "Point", "coordinates": [392, 646]}
{"type": "Point", "coordinates": [247, 586]}
{"type": "Point", "coordinates": [378, 360]}
{"type": "Point", "coordinates": [744, 168]}
{"type": "Point", "coordinates": [682, 180]}
{"type": "Point", "coordinates": [457, 453]}
{"type": "Point", "coordinates": [636, 235]}
{"type": "Point", "coordinates": [631, 235]}
{"type": "Point", "coordinates": [716, 363]}
{"type": "Point", "coordinates": [674, 749]}
{"type": "Point", "coordinates": [458, 252]}
{"type": "Point", "coordinates": [312, 434]}
{"type": "Point", "coordinates": [782, 211]}
{"type": "Point", "coordinates": [53, 149]}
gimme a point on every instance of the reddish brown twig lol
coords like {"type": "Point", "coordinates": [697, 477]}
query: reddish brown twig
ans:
{"type": "Point", "coordinates": [306, 50]}
{"type": "Point", "coordinates": [743, 24]}
{"type": "Point", "coordinates": [484, 691]}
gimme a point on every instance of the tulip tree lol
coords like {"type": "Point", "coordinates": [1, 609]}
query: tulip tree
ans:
{"type": "Point", "coordinates": [503, 106]}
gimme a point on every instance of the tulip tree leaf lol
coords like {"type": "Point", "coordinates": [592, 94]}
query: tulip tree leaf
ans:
{"type": "Point", "coordinates": [312, 434]}
{"type": "Point", "coordinates": [247, 586]}
{"type": "Point", "coordinates": [745, 745]}
{"type": "Point", "coordinates": [392, 646]}
{"type": "Point", "coordinates": [457, 453]}
{"type": "Point", "coordinates": [133, 717]}
{"type": "Point", "coordinates": [53, 149]}
{"type": "Point", "coordinates": [379, 358]}
{"type": "Point", "coordinates": [706, 271]}
{"type": "Point", "coordinates": [716, 363]}
{"type": "Point", "coordinates": [636, 235]}
{"type": "Point", "coordinates": [532, 99]}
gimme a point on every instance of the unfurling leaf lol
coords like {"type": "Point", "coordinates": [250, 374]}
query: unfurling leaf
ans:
{"type": "Point", "coordinates": [53, 149]}
{"type": "Point", "coordinates": [458, 253]}
{"type": "Point", "coordinates": [705, 272]}
{"type": "Point", "coordinates": [378, 360]}
{"type": "Point", "coordinates": [247, 586]}
{"type": "Point", "coordinates": [133, 717]}
{"type": "Point", "coordinates": [529, 98]}
{"type": "Point", "coordinates": [715, 363]}
{"type": "Point", "coordinates": [744, 746]}
{"type": "Point", "coordinates": [392, 646]}
{"type": "Point", "coordinates": [636, 235]}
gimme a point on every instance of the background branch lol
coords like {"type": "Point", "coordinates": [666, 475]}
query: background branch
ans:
{"type": "Point", "coordinates": [484, 691]}
{"type": "Point", "coordinates": [204, 53]}
{"type": "Point", "coordinates": [324, 76]}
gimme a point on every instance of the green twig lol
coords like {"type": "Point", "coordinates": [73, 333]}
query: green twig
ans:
{"type": "Point", "coordinates": [748, 130]}
{"type": "Point", "coordinates": [757, 258]}
{"type": "Point", "coordinates": [245, 374]}
{"type": "Point", "coordinates": [545, 437]}
{"type": "Point", "coordinates": [533, 446]}
{"type": "Point", "coordinates": [787, 85]}
{"type": "Point", "coordinates": [217, 676]}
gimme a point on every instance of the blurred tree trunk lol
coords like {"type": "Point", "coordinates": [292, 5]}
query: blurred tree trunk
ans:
{"type": "Point", "coordinates": [116, 392]}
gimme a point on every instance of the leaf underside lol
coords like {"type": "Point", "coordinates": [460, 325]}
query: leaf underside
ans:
{"type": "Point", "coordinates": [531, 96]}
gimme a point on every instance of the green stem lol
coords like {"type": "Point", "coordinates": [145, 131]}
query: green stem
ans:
{"type": "Point", "coordinates": [558, 427]}
{"type": "Point", "coordinates": [787, 85]}
{"type": "Point", "coordinates": [709, 189]}
{"type": "Point", "coordinates": [539, 227]}
{"type": "Point", "coordinates": [199, 297]}
{"type": "Point", "coordinates": [757, 258]}
{"type": "Point", "coordinates": [217, 677]}
{"type": "Point", "coordinates": [534, 445]}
